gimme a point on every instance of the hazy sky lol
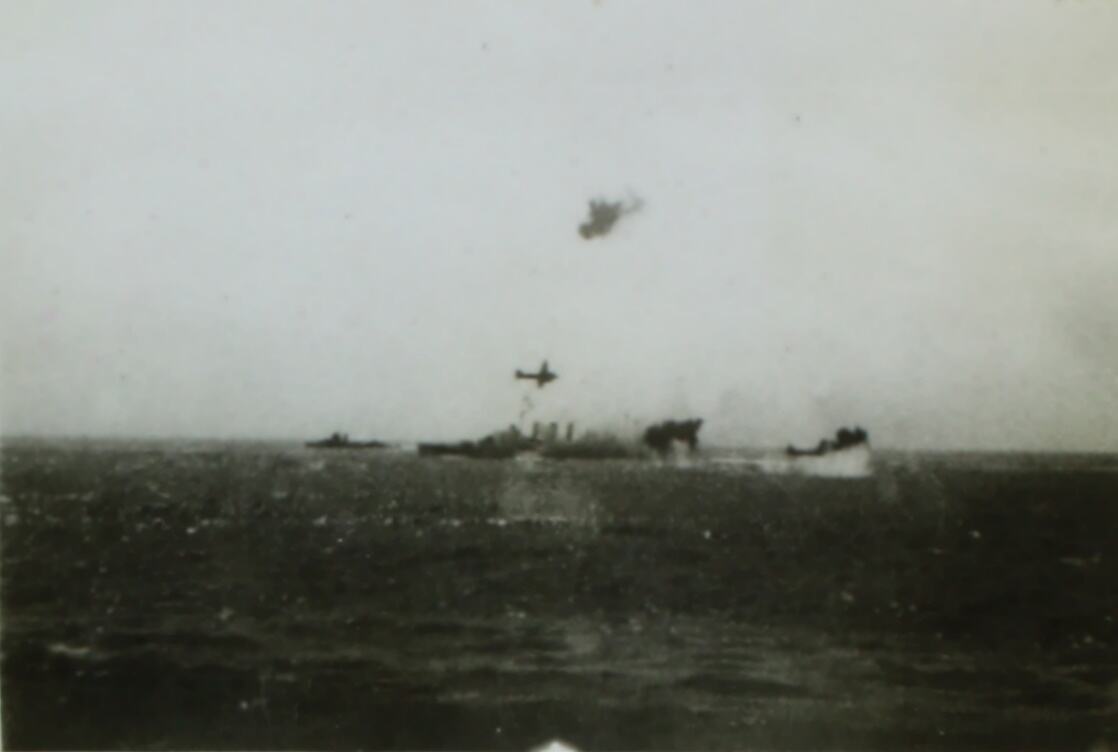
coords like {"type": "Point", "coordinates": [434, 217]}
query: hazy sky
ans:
{"type": "Point", "coordinates": [277, 219]}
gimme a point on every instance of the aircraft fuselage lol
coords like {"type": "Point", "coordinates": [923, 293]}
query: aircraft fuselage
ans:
{"type": "Point", "coordinates": [541, 378]}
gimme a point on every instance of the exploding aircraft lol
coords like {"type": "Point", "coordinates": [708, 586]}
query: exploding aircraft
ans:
{"type": "Point", "coordinates": [541, 377]}
{"type": "Point", "coordinates": [604, 215]}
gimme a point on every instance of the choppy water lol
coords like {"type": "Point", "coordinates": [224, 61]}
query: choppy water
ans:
{"type": "Point", "coordinates": [260, 596]}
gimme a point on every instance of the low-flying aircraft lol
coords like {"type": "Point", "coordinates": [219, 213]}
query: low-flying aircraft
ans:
{"type": "Point", "coordinates": [541, 377]}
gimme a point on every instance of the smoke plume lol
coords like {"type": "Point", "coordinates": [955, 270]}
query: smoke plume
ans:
{"type": "Point", "coordinates": [604, 215]}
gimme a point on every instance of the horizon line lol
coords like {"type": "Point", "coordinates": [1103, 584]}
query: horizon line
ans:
{"type": "Point", "coordinates": [30, 437]}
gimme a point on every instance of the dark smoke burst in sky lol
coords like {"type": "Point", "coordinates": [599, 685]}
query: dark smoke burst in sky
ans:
{"type": "Point", "coordinates": [604, 215]}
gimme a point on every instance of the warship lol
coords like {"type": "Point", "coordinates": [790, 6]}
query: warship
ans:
{"type": "Point", "coordinates": [547, 442]}
{"type": "Point", "coordinates": [338, 440]}
{"type": "Point", "coordinates": [502, 444]}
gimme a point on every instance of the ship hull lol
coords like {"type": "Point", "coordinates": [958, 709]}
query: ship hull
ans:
{"type": "Point", "coordinates": [345, 445]}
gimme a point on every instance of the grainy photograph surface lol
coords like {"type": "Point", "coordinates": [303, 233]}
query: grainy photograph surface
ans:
{"type": "Point", "coordinates": [592, 375]}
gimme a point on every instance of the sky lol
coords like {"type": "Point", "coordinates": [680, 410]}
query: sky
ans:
{"type": "Point", "coordinates": [278, 219]}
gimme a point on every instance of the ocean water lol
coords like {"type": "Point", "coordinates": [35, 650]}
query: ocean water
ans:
{"type": "Point", "coordinates": [252, 596]}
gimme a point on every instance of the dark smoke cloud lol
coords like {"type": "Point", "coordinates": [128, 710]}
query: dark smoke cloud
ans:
{"type": "Point", "coordinates": [661, 435]}
{"type": "Point", "coordinates": [604, 215]}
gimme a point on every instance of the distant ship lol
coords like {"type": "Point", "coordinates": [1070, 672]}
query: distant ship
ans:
{"type": "Point", "coordinates": [500, 445]}
{"type": "Point", "coordinates": [848, 455]}
{"type": "Point", "coordinates": [341, 441]}
{"type": "Point", "coordinates": [546, 442]}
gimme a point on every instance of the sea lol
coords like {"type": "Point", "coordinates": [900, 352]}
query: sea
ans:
{"type": "Point", "coordinates": [240, 595]}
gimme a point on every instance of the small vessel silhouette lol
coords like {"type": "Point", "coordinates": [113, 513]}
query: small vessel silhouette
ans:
{"type": "Point", "coordinates": [338, 440]}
